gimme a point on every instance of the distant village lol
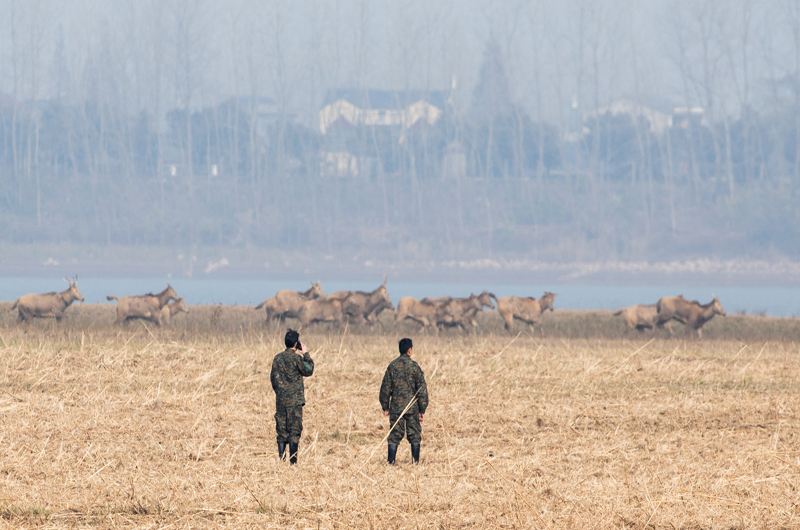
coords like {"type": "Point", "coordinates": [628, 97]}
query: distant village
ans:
{"type": "Point", "coordinates": [369, 133]}
{"type": "Point", "coordinates": [402, 169]}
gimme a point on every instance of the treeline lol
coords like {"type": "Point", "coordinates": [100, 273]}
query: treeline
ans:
{"type": "Point", "coordinates": [574, 171]}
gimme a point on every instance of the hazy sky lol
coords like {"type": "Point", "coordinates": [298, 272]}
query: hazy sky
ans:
{"type": "Point", "coordinates": [155, 51]}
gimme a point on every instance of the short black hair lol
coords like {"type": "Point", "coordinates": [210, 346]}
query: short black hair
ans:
{"type": "Point", "coordinates": [405, 345]}
{"type": "Point", "coordinates": [291, 338]}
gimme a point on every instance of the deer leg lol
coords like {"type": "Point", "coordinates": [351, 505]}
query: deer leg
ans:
{"type": "Point", "coordinates": [691, 325]}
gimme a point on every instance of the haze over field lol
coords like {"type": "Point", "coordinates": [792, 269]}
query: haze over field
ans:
{"type": "Point", "coordinates": [517, 131]}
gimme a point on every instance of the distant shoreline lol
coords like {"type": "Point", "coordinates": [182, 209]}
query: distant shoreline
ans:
{"type": "Point", "coordinates": [344, 265]}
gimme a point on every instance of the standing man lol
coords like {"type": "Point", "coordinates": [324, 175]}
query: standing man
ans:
{"type": "Point", "coordinates": [403, 382]}
{"type": "Point", "coordinates": [288, 370]}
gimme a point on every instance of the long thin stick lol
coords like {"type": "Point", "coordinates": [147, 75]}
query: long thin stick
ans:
{"type": "Point", "coordinates": [784, 461]}
{"type": "Point", "coordinates": [343, 334]}
{"type": "Point", "coordinates": [410, 404]}
{"type": "Point", "coordinates": [753, 361]}
{"type": "Point", "coordinates": [655, 510]}
{"type": "Point", "coordinates": [507, 345]}
{"type": "Point", "coordinates": [628, 358]}
{"type": "Point", "coordinates": [263, 508]}
{"type": "Point", "coordinates": [151, 333]}
{"type": "Point", "coordinates": [737, 355]}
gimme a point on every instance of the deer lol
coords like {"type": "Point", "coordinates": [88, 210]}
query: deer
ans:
{"type": "Point", "coordinates": [426, 312]}
{"type": "Point", "coordinates": [169, 311]}
{"type": "Point", "coordinates": [528, 310]}
{"type": "Point", "coordinates": [639, 317]}
{"type": "Point", "coordinates": [462, 311]}
{"type": "Point", "coordinates": [691, 313]}
{"type": "Point", "coordinates": [47, 305]}
{"type": "Point", "coordinates": [362, 306]}
{"type": "Point", "coordinates": [323, 309]}
{"type": "Point", "coordinates": [287, 303]}
{"type": "Point", "coordinates": [146, 307]}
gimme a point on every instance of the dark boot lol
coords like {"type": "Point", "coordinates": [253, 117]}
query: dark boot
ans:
{"type": "Point", "coordinates": [293, 453]}
{"type": "Point", "coordinates": [282, 450]}
{"type": "Point", "coordinates": [392, 453]}
{"type": "Point", "coordinates": [415, 453]}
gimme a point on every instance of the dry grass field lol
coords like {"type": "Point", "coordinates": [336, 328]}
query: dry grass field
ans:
{"type": "Point", "coordinates": [120, 427]}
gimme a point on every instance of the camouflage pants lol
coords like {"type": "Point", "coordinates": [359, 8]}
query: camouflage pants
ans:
{"type": "Point", "coordinates": [408, 426]}
{"type": "Point", "coordinates": [289, 424]}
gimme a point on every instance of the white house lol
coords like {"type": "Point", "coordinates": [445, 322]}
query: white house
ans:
{"type": "Point", "coordinates": [398, 108]}
{"type": "Point", "coordinates": [658, 121]}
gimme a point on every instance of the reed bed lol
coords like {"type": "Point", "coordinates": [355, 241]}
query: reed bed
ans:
{"type": "Point", "coordinates": [132, 426]}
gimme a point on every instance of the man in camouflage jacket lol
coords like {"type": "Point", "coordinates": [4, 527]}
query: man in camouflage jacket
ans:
{"type": "Point", "coordinates": [402, 383]}
{"type": "Point", "coordinates": [288, 370]}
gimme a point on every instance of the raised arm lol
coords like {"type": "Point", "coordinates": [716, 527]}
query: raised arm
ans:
{"type": "Point", "coordinates": [305, 364]}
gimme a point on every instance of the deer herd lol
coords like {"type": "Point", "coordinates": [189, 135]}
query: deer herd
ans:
{"type": "Point", "coordinates": [363, 308]}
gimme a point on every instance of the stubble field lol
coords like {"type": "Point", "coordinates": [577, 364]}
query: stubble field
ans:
{"type": "Point", "coordinates": [115, 427]}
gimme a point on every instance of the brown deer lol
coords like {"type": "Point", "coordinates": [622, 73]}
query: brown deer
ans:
{"type": "Point", "coordinates": [169, 311]}
{"type": "Point", "coordinates": [48, 305]}
{"type": "Point", "coordinates": [323, 309]}
{"type": "Point", "coordinates": [528, 310]}
{"type": "Point", "coordinates": [693, 314]}
{"type": "Point", "coordinates": [286, 304]}
{"type": "Point", "coordinates": [364, 307]}
{"type": "Point", "coordinates": [639, 317]}
{"type": "Point", "coordinates": [146, 307]}
{"type": "Point", "coordinates": [426, 312]}
{"type": "Point", "coordinates": [462, 311]}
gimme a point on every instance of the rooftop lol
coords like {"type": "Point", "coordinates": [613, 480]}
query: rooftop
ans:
{"type": "Point", "coordinates": [385, 99]}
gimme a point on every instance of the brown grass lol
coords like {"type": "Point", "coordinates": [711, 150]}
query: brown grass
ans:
{"type": "Point", "coordinates": [138, 427]}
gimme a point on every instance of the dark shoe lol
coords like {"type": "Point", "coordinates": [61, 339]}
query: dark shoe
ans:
{"type": "Point", "coordinates": [282, 450]}
{"type": "Point", "coordinates": [392, 453]}
{"type": "Point", "coordinates": [293, 453]}
{"type": "Point", "coordinates": [415, 453]}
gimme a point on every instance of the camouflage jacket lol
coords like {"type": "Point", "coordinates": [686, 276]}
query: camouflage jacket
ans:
{"type": "Point", "coordinates": [288, 370]}
{"type": "Point", "coordinates": [402, 380]}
